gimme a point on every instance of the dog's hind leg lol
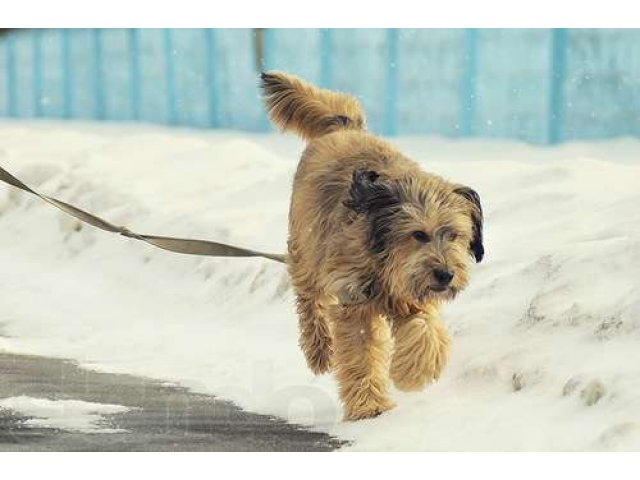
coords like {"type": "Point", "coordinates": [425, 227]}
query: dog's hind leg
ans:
{"type": "Point", "coordinates": [361, 360]}
{"type": "Point", "coordinates": [421, 350]}
{"type": "Point", "coordinates": [315, 334]}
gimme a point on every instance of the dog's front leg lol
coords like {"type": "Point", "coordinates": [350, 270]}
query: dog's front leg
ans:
{"type": "Point", "coordinates": [362, 341]}
{"type": "Point", "coordinates": [421, 350]}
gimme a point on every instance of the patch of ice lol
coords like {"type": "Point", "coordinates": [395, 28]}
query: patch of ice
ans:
{"type": "Point", "coordinates": [68, 415]}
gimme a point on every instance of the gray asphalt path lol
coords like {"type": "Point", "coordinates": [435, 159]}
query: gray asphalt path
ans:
{"type": "Point", "coordinates": [163, 419]}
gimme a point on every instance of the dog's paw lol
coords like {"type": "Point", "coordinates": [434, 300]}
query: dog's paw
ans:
{"type": "Point", "coordinates": [320, 361]}
{"type": "Point", "coordinates": [367, 411]}
{"type": "Point", "coordinates": [420, 354]}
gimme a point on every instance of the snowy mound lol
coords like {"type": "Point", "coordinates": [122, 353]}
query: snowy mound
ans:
{"type": "Point", "coordinates": [545, 352]}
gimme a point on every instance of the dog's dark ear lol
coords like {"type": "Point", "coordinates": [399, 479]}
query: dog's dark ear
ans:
{"type": "Point", "coordinates": [368, 193]}
{"type": "Point", "coordinates": [476, 246]}
{"type": "Point", "coordinates": [379, 200]}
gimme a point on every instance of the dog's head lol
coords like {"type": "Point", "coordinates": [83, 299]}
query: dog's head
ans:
{"type": "Point", "coordinates": [422, 230]}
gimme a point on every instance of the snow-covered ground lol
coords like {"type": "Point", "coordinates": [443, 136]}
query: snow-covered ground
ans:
{"type": "Point", "coordinates": [546, 339]}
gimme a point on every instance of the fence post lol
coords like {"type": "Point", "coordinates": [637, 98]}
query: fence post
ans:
{"type": "Point", "coordinates": [172, 105]}
{"type": "Point", "coordinates": [135, 87]}
{"type": "Point", "coordinates": [211, 47]}
{"type": "Point", "coordinates": [98, 74]}
{"type": "Point", "coordinates": [268, 63]}
{"type": "Point", "coordinates": [391, 107]}
{"type": "Point", "coordinates": [556, 91]}
{"type": "Point", "coordinates": [67, 74]}
{"type": "Point", "coordinates": [469, 82]}
{"type": "Point", "coordinates": [12, 77]}
{"type": "Point", "coordinates": [258, 48]}
{"type": "Point", "coordinates": [37, 72]}
{"type": "Point", "coordinates": [326, 64]}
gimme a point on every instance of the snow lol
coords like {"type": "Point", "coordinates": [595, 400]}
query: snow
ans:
{"type": "Point", "coordinates": [545, 339]}
{"type": "Point", "coordinates": [69, 415]}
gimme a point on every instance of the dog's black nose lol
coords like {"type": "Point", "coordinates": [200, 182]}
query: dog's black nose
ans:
{"type": "Point", "coordinates": [443, 277]}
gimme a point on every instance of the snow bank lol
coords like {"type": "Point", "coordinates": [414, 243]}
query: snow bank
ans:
{"type": "Point", "coordinates": [545, 352]}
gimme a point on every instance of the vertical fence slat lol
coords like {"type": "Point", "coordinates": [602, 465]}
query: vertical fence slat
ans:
{"type": "Point", "coordinates": [67, 73]}
{"type": "Point", "coordinates": [172, 105]}
{"type": "Point", "coordinates": [135, 79]}
{"type": "Point", "coordinates": [37, 73]}
{"type": "Point", "coordinates": [556, 90]}
{"type": "Point", "coordinates": [12, 77]}
{"type": "Point", "coordinates": [391, 107]}
{"type": "Point", "coordinates": [326, 65]}
{"type": "Point", "coordinates": [211, 50]}
{"type": "Point", "coordinates": [98, 75]}
{"type": "Point", "coordinates": [469, 81]}
{"type": "Point", "coordinates": [268, 62]}
{"type": "Point", "coordinates": [258, 48]}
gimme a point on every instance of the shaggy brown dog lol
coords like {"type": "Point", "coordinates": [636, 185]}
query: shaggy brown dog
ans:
{"type": "Point", "coordinates": [376, 245]}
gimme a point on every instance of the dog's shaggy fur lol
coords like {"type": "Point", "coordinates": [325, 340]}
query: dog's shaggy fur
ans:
{"type": "Point", "coordinates": [375, 246]}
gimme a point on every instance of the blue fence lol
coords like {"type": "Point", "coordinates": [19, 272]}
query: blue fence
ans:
{"type": "Point", "coordinates": [537, 85]}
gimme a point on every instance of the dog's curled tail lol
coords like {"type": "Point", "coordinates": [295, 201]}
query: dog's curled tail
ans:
{"type": "Point", "coordinates": [295, 105]}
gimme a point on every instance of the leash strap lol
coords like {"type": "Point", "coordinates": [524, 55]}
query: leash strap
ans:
{"type": "Point", "coordinates": [178, 245]}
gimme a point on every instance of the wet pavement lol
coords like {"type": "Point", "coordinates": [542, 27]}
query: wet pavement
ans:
{"type": "Point", "coordinates": [162, 418]}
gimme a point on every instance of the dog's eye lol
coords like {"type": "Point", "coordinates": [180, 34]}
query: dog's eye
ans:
{"type": "Point", "coordinates": [452, 236]}
{"type": "Point", "coordinates": [421, 236]}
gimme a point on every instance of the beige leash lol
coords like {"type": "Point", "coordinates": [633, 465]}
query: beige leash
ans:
{"type": "Point", "coordinates": [178, 245]}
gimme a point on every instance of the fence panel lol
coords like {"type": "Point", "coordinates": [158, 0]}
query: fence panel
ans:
{"type": "Point", "coordinates": [240, 103]}
{"type": "Point", "coordinates": [294, 50]}
{"type": "Point", "coordinates": [430, 78]}
{"type": "Point", "coordinates": [513, 84]}
{"type": "Point", "coordinates": [602, 83]}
